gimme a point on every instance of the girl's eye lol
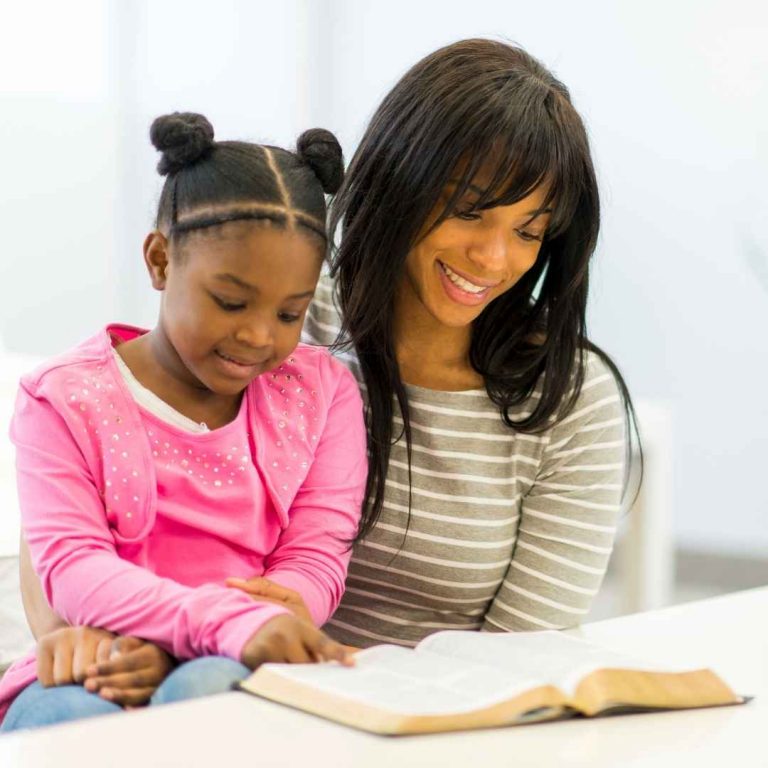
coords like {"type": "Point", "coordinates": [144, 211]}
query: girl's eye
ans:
{"type": "Point", "coordinates": [287, 317]}
{"type": "Point", "coordinates": [469, 215]}
{"type": "Point", "coordinates": [528, 236]}
{"type": "Point", "coordinates": [228, 306]}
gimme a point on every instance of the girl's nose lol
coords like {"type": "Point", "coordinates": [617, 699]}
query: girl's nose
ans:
{"type": "Point", "coordinates": [254, 335]}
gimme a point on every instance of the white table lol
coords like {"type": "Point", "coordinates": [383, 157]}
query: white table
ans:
{"type": "Point", "coordinates": [730, 633]}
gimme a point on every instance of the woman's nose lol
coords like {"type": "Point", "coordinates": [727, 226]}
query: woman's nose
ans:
{"type": "Point", "coordinates": [490, 252]}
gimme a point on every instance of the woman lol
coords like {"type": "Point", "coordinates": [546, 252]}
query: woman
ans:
{"type": "Point", "coordinates": [497, 431]}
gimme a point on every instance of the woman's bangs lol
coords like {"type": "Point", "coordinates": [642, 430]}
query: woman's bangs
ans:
{"type": "Point", "coordinates": [530, 150]}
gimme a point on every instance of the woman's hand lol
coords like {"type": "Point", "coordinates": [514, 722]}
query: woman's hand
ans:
{"type": "Point", "coordinates": [131, 674]}
{"type": "Point", "coordinates": [64, 655]}
{"type": "Point", "coordinates": [264, 589]}
{"type": "Point", "coordinates": [288, 639]}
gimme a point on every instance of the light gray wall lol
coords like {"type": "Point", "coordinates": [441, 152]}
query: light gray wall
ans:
{"type": "Point", "coordinates": [675, 97]}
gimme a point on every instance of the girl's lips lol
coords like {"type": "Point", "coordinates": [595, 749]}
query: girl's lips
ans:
{"type": "Point", "coordinates": [457, 294]}
{"type": "Point", "coordinates": [236, 369]}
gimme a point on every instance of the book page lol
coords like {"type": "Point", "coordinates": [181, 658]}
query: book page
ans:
{"type": "Point", "coordinates": [411, 683]}
{"type": "Point", "coordinates": [551, 657]}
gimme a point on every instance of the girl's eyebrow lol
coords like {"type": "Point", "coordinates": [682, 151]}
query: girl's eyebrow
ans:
{"type": "Point", "coordinates": [229, 278]}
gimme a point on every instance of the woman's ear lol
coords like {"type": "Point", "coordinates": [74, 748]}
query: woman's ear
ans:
{"type": "Point", "coordinates": [156, 257]}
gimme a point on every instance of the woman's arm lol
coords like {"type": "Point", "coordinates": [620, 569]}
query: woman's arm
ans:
{"type": "Point", "coordinates": [569, 516]}
{"type": "Point", "coordinates": [41, 618]}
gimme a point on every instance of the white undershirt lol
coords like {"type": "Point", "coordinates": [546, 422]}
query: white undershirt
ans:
{"type": "Point", "coordinates": [152, 403]}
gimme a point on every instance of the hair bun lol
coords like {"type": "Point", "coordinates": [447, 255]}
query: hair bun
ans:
{"type": "Point", "coordinates": [321, 151]}
{"type": "Point", "coordinates": [183, 138]}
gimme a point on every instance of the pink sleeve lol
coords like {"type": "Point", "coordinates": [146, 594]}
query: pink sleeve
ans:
{"type": "Point", "coordinates": [84, 579]}
{"type": "Point", "coordinates": [313, 552]}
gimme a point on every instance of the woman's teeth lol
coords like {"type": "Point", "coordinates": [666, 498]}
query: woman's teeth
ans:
{"type": "Point", "coordinates": [465, 285]}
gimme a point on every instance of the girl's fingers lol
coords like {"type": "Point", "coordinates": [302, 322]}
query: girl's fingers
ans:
{"type": "Point", "coordinates": [329, 650]}
{"type": "Point", "coordinates": [123, 662]}
{"type": "Point", "coordinates": [141, 678]}
{"type": "Point", "coordinates": [264, 587]}
{"type": "Point", "coordinates": [45, 666]}
{"type": "Point", "coordinates": [123, 645]}
{"type": "Point", "coordinates": [298, 652]}
{"type": "Point", "coordinates": [127, 697]}
{"type": "Point", "coordinates": [84, 656]}
{"type": "Point", "coordinates": [62, 666]}
{"type": "Point", "coordinates": [103, 650]}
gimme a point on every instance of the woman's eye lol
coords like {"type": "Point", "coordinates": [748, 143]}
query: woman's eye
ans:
{"type": "Point", "coordinates": [528, 236]}
{"type": "Point", "coordinates": [287, 317]}
{"type": "Point", "coordinates": [228, 306]}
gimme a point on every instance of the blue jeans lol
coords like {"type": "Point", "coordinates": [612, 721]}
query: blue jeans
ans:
{"type": "Point", "coordinates": [36, 706]}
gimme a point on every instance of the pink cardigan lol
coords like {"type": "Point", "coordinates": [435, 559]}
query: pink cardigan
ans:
{"type": "Point", "coordinates": [307, 441]}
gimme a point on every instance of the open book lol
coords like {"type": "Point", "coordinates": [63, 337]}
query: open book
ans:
{"type": "Point", "coordinates": [461, 680]}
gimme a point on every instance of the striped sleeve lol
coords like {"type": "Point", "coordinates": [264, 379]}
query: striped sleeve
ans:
{"type": "Point", "coordinates": [568, 516]}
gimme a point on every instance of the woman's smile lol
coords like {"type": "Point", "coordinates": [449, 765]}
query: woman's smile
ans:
{"type": "Point", "coordinates": [463, 288]}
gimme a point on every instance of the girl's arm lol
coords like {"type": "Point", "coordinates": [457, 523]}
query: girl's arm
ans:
{"type": "Point", "coordinates": [83, 579]}
{"type": "Point", "coordinates": [313, 552]}
{"type": "Point", "coordinates": [568, 518]}
{"type": "Point", "coordinates": [40, 617]}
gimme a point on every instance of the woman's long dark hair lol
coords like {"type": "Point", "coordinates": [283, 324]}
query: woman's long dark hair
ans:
{"type": "Point", "coordinates": [461, 107]}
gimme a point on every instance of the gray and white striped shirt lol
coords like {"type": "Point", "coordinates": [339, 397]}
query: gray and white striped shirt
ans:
{"type": "Point", "coordinates": [508, 531]}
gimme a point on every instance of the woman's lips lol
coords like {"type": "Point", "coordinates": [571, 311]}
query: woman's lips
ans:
{"type": "Point", "coordinates": [459, 295]}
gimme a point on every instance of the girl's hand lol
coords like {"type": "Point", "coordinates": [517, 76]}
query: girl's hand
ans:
{"type": "Point", "coordinates": [288, 639]}
{"type": "Point", "coordinates": [64, 655]}
{"type": "Point", "coordinates": [132, 672]}
{"type": "Point", "coordinates": [267, 590]}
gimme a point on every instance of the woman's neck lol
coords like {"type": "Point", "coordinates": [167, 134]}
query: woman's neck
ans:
{"type": "Point", "coordinates": [429, 353]}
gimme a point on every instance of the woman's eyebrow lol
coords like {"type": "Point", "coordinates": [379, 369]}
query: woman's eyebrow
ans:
{"type": "Point", "coordinates": [479, 191]}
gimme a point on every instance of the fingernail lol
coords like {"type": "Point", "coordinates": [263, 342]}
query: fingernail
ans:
{"type": "Point", "coordinates": [107, 693]}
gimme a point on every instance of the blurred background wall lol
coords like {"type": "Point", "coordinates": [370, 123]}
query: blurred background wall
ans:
{"type": "Point", "coordinates": [675, 97]}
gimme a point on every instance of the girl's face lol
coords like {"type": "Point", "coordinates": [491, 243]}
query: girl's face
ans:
{"type": "Point", "coordinates": [234, 300]}
{"type": "Point", "coordinates": [471, 258]}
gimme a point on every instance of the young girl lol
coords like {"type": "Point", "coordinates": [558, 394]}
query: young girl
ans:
{"type": "Point", "coordinates": [154, 465]}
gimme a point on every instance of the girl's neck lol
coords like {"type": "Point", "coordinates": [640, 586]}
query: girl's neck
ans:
{"type": "Point", "coordinates": [429, 353]}
{"type": "Point", "coordinates": [154, 362]}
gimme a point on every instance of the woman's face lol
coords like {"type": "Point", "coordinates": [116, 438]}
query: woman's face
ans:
{"type": "Point", "coordinates": [471, 258]}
